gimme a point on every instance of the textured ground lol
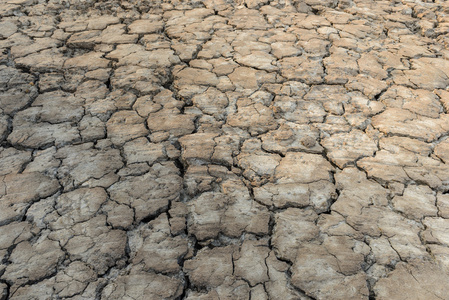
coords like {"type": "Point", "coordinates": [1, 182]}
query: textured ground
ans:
{"type": "Point", "coordinates": [208, 149]}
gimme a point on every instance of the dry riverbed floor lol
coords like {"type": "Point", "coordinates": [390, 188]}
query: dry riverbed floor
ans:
{"type": "Point", "coordinates": [218, 149]}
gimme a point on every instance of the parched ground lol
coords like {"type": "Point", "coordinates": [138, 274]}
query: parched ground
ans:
{"type": "Point", "coordinates": [218, 149]}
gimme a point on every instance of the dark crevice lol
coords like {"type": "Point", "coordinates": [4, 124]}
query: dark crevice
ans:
{"type": "Point", "coordinates": [6, 292]}
{"type": "Point", "coordinates": [128, 14]}
{"type": "Point", "coordinates": [187, 286]}
{"type": "Point", "coordinates": [302, 292]}
{"type": "Point", "coordinates": [154, 215]}
{"type": "Point", "coordinates": [108, 84]}
{"type": "Point", "coordinates": [181, 167]}
{"type": "Point", "coordinates": [168, 84]}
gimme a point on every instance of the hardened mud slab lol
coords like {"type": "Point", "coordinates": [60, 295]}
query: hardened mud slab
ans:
{"type": "Point", "coordinates": [224, 149]}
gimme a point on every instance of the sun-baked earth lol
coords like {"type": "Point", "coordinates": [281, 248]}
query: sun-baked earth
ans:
{"type": "Point", "coordinates": [219, 149]}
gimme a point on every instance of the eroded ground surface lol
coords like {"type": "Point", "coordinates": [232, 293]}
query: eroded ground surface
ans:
{"type": "Point", "coordinates": [220, 150]}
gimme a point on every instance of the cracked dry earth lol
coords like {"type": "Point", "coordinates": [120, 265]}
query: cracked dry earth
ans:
{"type": "Point", "coordinates": [208, 149]}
